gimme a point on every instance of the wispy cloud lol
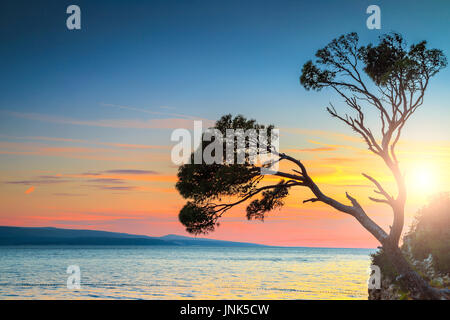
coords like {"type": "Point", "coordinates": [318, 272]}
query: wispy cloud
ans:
{"type": "Point", "coordinates": [336, 146]}
{"type": "Point", "coordinates": [91, 174]}
{"type": "Point", "coordinates": [149, 111]}
{"type": "Point", "coordinates": [321, 149]}
{"type": "Point", "coordinates": [38, 181]}
{"type": "Point", "coordinates": [50, 177]}
{"type": "Point", "coordinates": [89, 153]}
{"type": "Point", "coordinates": [166, 123]}
{"type": "Point", "coordinates": [167, 107]}
{"type": "Point", "coordinates": [131, 171]}
{"type": "Point", "coordinates": [128, 188]}
{"type": "Point", "coordinates": [322, 133]}
{"type": "Point", "coordinates": [340, 159]}
{"type": "Point", "coordinates": [84, 141]}
{"type": "Point", "coordinates": [106, 180]}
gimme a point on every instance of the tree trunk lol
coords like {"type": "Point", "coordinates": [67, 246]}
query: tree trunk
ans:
{"type": "Point", "coordinates": [399, 204]}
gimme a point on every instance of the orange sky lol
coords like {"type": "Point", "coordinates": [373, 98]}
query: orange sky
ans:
{"type": "Point", "coordinates": [72, 183]}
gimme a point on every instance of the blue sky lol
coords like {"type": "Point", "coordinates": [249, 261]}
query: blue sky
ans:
{"type": "Point", "coordinates": [203, 58]}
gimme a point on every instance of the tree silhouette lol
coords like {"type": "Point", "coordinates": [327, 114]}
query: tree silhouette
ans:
{"type": "Point", "coordinates": [388, 78]}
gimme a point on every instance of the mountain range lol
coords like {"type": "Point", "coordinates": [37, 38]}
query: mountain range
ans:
{"type": "Point", "coordinates": [12, 236]}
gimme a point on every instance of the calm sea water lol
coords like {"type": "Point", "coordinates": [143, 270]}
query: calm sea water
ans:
{"type": "Point", "coordinates": [155, 272]}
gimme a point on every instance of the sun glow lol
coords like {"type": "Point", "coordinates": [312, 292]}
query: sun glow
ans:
{"type": "Point", "coordinates": [422, 178]}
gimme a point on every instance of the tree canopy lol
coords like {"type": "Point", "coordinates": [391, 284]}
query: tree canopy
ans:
{"type": "Point", "coordinates": [205, 184]}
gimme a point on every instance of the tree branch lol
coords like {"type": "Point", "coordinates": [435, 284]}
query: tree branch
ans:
{"type": "Point", "coordinates": [381, 190]}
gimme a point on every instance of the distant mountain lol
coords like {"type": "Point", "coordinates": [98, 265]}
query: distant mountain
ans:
{"type": "Point", "coordinates": [177, 237]}
{"type": "Point", "coordinates": [56, 236]}
{"type": "Point", "coordinates": [190, 241]}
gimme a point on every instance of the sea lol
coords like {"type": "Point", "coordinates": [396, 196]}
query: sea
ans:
{"type": "Point", "coordinates": [182, 272]}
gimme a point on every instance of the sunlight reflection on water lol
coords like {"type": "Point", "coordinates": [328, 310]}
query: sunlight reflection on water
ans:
{"type": "Point", "coordinates": [155, 272]}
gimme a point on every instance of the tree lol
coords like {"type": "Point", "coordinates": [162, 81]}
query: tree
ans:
{"type": "Point", "coordinates": [388, 78]}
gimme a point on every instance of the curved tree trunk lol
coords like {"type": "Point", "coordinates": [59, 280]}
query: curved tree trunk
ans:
{"type": "Point", "coordinates": [398, 204]}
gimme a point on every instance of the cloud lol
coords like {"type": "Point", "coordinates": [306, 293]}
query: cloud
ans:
{"type": "Point", "coordinates": [95, 153]}
{"type": "Point", "coordinates": [133, 146]}
{"type": "Point", "coordinates": [71, 150]}
{"type": "Point", "coordinates": [91, 174]}
{"type": "Point", "coordinates": [336, 146]}
{"type": "Point", "coordinates": [149, 111]}
{"type": "Point", "coordinates": [83, 141]}
{"type": "Point", "coordinates": [167, 107]}
{"type": "Point", "coordinates": [340, 159]}
{"type": "Point", "coordinates": [38, 181]}
{"type": "Point", "coordinates": [112, 187]}
{"type": "Point", "coordinates": [166, 123]}
{"type": "Point", "coordinates": [323, 133]}
{"type": "Point", "coordinates": [106, 180]}
{"type": "Point", "coordinates": [50, 177]}
{"type": "Point", "coordinates": [313, 149]}
{"type": "Point", "coordinates": [128, 188]}
{"type": "Point", "coordinates": [29, 190]}
{"type": "Point", "coordinates": [131, 171]}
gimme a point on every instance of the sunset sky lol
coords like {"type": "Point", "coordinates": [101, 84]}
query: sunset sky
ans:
{"type": "Point", "coordinates": [86, 115]}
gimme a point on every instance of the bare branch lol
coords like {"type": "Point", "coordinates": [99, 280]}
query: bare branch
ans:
{"type": "Point", "coordinates": [380, 188]}
{"type": "Point", "coordinates": [379, 200]}
{"type": "Point", "coordinates": [220, 209]}
{"type": "Point", "coordinates": [311, 200]}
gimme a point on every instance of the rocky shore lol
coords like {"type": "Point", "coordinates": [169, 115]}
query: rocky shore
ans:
{"type": "Point", "coordinates": [391, 289]}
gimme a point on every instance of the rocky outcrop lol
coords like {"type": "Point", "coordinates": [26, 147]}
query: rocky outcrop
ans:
{"type": "Point", "coordinates": [391, 289]}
